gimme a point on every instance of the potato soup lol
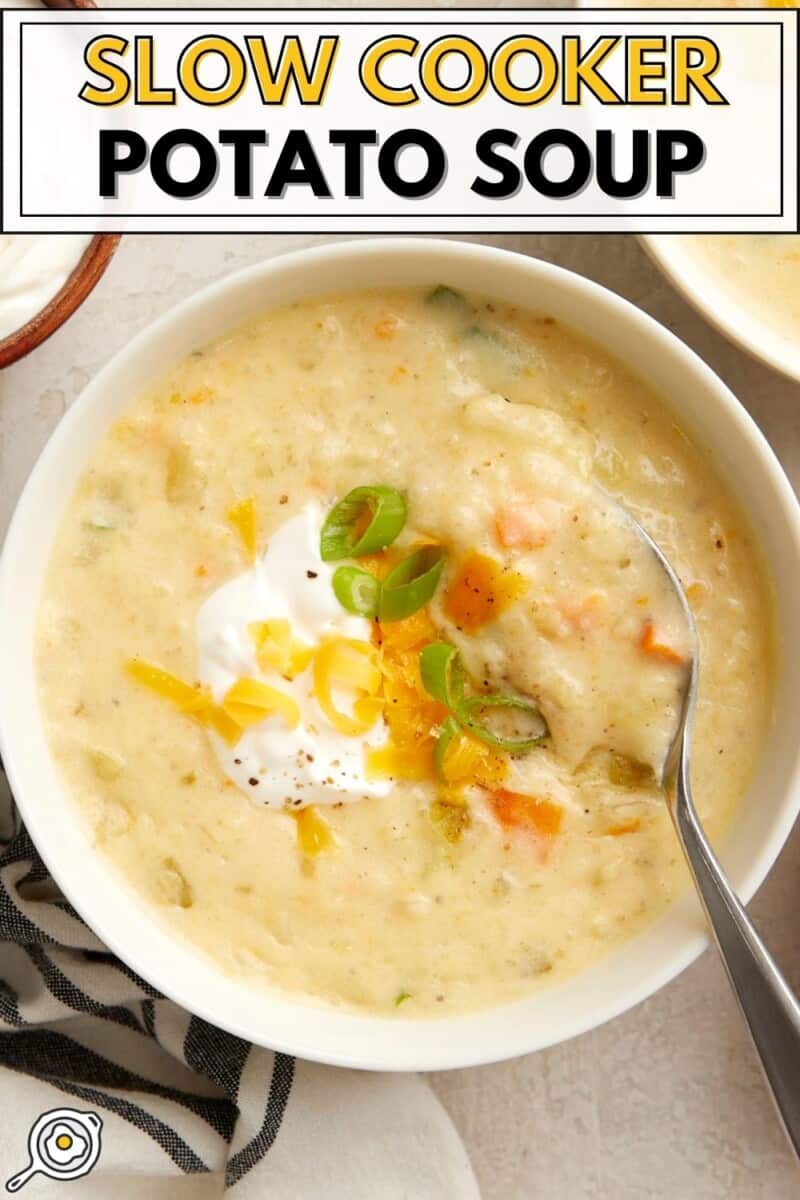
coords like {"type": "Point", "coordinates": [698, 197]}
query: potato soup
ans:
{"type": "Point", "coordinates": [760, 271]}
{"type": "Point", "coordinates": [359, 671]}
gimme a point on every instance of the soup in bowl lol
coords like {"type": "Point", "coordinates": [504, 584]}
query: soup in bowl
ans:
{"type": "Point", "coordinates": [746, 284]}
{"type": "Point", "coordinates": [341, 680]}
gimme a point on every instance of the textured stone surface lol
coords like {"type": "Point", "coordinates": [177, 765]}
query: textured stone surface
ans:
{"type": "Point", "coordinates": [665, 1103]}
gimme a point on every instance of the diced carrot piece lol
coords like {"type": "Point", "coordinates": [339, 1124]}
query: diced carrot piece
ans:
{"type": "Point", "coordinates": [586, 615]}
{"type": "Point", "coordinates": [516, 811]}
{"type": "Point", "coordinates": [656, 649]}
{"type": "Point", "coordinates": [482, 589]}
{"type": "Point", "coordinates": [519, 530]}
{"type": "Point", "coordinates": [630, 826]}
{"type": "Point", "coordinates": [386, 328]}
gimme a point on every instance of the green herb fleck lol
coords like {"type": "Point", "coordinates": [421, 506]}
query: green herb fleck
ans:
{"type": "Point", "coordinates": [451, 818]}
{"type": "Point", "coordinates": [447, 297]}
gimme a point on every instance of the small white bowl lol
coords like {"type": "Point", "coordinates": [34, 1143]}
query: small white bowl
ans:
{"type": "Point", "coordinates": [705, 289]}
{"type": "Point", "coordinates": [128, 926]}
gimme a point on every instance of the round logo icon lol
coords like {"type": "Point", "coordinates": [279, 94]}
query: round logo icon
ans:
{"type": "Point", "coordinates": [63, 1144]}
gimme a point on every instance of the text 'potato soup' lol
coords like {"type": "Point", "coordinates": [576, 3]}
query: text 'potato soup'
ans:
{"type": "Point", "coordinates": [361, 676]}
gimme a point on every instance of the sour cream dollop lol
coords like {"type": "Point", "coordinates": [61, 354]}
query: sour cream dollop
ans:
{"type": "Point", "coordinates": [313, 763]}
{"type": "Point", "coordinates": [33, 270]}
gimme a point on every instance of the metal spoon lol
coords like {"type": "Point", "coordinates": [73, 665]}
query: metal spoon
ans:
{"type": "Point", "coordinates": [769, 1008]}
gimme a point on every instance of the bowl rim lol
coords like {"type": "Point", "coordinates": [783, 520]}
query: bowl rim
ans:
{"type": "Point", "coordinates": [718, 306]}
{"type": "Point", "coordinates": [398, 1050]}
{"type": "Point", "coordinates": [81, 281]}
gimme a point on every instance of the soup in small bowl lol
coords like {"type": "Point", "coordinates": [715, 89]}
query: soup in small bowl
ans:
{"type": "Point", "coordinates": [748, 285]}
{"type": "Point", "coordinates": [345, 680]}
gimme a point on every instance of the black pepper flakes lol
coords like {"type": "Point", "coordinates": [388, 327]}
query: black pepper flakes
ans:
{"type": "Point", "coordinates": [253, 781]}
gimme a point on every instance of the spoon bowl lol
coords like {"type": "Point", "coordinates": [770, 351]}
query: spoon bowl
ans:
{"type": "Point", "coordinates": [770, 1009]}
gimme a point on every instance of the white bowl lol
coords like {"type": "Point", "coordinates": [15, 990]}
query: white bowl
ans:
{"type": "Point", "coordinates": [721, 305]}
{"type": "Point", "coordinates": [103, 897]}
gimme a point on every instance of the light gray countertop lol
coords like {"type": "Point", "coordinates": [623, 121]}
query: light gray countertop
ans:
{"type": "Point", "coordinates": [666, 1102]}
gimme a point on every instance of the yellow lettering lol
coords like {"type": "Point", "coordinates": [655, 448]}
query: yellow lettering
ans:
{"type": "Point", "coordinates": [292, 69]}
{"type": "Point", "coordinates": [189, 64]}
{"type": "Point", "coordinates": [477, 73]}
{"type": "Point", "coordinates": [504, 56]}
{"type": "Point", "coordinates": [582, 70]}
{"type": "Point", "coordinates": [146, 91]}
{"type": "Point", "coordinates": [640, 70]}
{"type": "Point", "coordinates": [371, 61]}
{"type": "Point", "coordinates": [695, 60]}
{"type": "Point", "coordinates": [95, 58]}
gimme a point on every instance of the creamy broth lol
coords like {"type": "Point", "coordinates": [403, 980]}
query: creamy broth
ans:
{"type": "Point", "coordinates": [507, 435]}
{"type": "Point", "coordinates": [761, 272]}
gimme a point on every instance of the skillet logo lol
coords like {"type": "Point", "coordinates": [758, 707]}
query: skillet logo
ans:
{"type": "Point", "coordinates": [508, 120]}
{"type": "Point", "coordinates": [62, 1144]}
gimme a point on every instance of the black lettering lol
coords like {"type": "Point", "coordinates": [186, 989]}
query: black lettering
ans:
{"type": "Point", "coordinates": [112, 165]}
{"type": "Point", "coordinates": [510, 177]}
{"type": "Point", "coordinates": [668, 165]}
{"type": "Point", "coordinates": [354, 141]}
{"type": "Point", "coordinates": [581, 163]}
{"type": "Point", "coordinates": [623, 189]}
{"type": "Point", "coordinates": [242, 141]}
{"type": "Point", "coordinates": [433, 174]}
{"type": "Point", "coordinates": [308, 172]}
{"type": "Point", "coordinates": [207, 163]}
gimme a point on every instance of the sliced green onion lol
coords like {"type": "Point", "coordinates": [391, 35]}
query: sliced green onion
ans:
{"type": "Point", "coordinates": [410, 585]}
{"type": "Point", "coordinates": [357, 590]}
{"type": "Point", "coordinates": [448, 730]}
{"type": "Point", "coordinates": [401, 998]}
{"type": "Point", "coordinates": [443, 677]}
{"type": "Point", "coordinates": [470, 710]}
{"type": "Point", "coordinates": [442, 673]}
{"type": "Point", "coordinates": [342, 533]}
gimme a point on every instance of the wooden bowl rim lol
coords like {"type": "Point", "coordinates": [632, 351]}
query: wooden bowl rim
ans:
{"type": "Point", "coordinates": [80, 282]}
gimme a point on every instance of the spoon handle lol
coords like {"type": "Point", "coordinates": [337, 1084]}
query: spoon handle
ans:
{"type": "Point", "coordinates": [770, 1009]}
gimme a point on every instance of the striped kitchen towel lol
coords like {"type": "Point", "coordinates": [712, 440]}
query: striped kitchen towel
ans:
{"type": "Point", "coordinates": [105, 1083]}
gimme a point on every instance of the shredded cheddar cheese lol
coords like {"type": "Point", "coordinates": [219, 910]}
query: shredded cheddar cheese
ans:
{"type": "Point", "coordinates": [411, 714]}
{"type": "Point", "coordinates": [276, 648]}
{"type": "Point", "coordinates": [249, 701]}
{"type": "Point", "coordinates": [242, 516]}
{"type": "Point", "coordinates": [469, 761]}
{"type": "Point", "coordinates": [192, 700]}
{"type": "Point", "coordinates": [344, 664]}
{"type": "Point", "coordinates": [314, 835]}
{"type": "Point", "coordinates": [410, 762]}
